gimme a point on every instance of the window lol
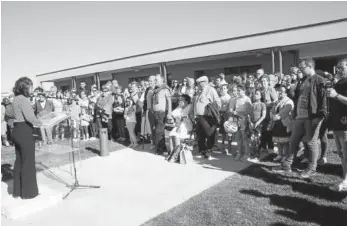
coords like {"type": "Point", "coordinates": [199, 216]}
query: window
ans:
{"type": "Point", "coordinates": [242, 69]}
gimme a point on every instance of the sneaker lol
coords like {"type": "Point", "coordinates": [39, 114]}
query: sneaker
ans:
{"type": "Point", "coordinates": [135, 145]}
{"type": "Point", "coordinates": [300, 152]}
{"type": "Point", "coordinates": [305, 160]}
{"type": "Point", "coordinates": [244, 158]}
{"type": "Point", "coordinates": [278, 158]}
{"type": "Point", "coordinates": [281, 169]}
{"type": "Point", "coordinates": [340, 187]}
{"type": "Point", "coordinates": [253, 159]}
{"type": "Point", "coordinates": [207, 156]}
{"type": "Point", "coordinates": [93, 138]}
{"type": "Point", "coordinates": [307, 173]}
{"type": "Point", "coordinates": [238, 157]}
{"type": "Point", "coordinates": [226, 151]}
{"type": "Point", "coordinates": [322, 161]}
{"type": "Point", "coordinates": [131, 146]}
{"type": "Point", "coordinates": [6, 143]}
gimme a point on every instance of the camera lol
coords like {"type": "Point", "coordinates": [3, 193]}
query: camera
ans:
{"type": "Point", "coordinates": [328, 85]}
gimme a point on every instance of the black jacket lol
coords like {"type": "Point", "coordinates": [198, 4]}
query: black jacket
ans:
{"type": "Point", "coordinates": [317, 98]}
{"type": "Point", "coordinates": [212, 111]}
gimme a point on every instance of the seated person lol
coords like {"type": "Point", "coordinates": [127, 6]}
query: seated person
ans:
{"type": "Point", "coordinates": [184, 125]}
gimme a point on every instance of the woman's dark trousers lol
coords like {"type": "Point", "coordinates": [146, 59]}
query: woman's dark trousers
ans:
{"type": "Point", "coordinates": [24, 182]}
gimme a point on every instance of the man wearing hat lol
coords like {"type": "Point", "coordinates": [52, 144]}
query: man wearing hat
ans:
{"type": "Point", "coordinates": [208, 95]}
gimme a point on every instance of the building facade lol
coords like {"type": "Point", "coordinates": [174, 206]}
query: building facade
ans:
{"type": "Point", "coordinates": [275, 51]}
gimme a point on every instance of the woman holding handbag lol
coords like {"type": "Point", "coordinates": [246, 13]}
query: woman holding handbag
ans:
{"type": "Point", "coordinates": [281, 117]}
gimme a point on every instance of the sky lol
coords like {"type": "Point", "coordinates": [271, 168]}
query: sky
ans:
{"type": "Point", "coordinates": [40, 37]}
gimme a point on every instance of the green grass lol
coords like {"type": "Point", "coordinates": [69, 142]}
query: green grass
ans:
{"type": "Point", "coordinates": [257, 196]}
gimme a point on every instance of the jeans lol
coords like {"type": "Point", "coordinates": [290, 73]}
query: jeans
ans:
{"type": "Point", "coordinates": [131, 129]}
{"type": "Point", "coordinates": [159, 124]}
{"type": "Point", "coordinates": [151, 123]}
{"type": "Point", "coordinates": [266, 136]}
{"type": "Point", "coordinates": [308, 131]}
{"type": "Point", "coordinates": [341, 145]}
{"type": "Point", "coordinates": [283, 149]}
{"type": "Point", "coordinates": [242, 142]}
{"type": "Point", "coordinates": [47, 135]}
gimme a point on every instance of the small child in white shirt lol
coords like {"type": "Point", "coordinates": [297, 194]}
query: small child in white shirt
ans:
{"type": "Point", "coordinates": [85, 121]}
{"type": "Point", "coordinates": [225, 99]}
{"type": "Point", "coordinates": [130, 121]}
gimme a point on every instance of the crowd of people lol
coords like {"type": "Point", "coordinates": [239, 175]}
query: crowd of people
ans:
{"type": "Point", "coordinates": [293, 111]}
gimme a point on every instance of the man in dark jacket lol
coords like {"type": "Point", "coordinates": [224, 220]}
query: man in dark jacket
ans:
{"type": "Point", "coordinates": [309, 111]}
{"type": "Point", "coordinates": [338, 119]}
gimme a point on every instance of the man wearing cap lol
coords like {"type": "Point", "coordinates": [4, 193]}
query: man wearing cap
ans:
{"type": "Point", "coordinates": [208, 95]}
{"type": "Point", "coordinates": [161, 105]}
{"type": "Point", "coordinates": [104, 107]}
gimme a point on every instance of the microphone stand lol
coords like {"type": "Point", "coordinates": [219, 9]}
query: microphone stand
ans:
{"type": "Point", "coordinates": [76, 184]}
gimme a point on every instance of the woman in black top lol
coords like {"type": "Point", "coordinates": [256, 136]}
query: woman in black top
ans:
{"type": "Point", "coordinates": [24, 182]}
{"type": "Point", "coordinates": [118, 116]}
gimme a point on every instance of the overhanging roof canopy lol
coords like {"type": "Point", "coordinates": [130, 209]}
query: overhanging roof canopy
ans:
{"type": "Point", "coordinates": [298, 35]}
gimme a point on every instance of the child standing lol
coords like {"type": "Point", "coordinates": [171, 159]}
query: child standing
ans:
{"type": "Point", "coordinates": [130, 121]}
{"type": "Point", "coordinates": [75, 111]}
{"type": "Point", "coordinates": [225, 99]}
{"type": "Point", "coordinates": [85, 121]}
{"type": "Point", "coordinates": [92, 124]}
{"type": "Point", "coordinates": [256, 118]}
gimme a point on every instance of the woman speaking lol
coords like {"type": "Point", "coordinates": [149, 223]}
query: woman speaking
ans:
{"type": "Point", "coordinates": [24, 182]}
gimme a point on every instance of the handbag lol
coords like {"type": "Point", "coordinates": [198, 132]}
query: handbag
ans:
{"type": "Point", "coordinates": [186, 156]}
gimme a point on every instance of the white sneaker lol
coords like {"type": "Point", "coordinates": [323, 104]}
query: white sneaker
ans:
{"type": "Point", "coordinates": [278, 158]}
{"type": "Point", "coordinates": [305, 160]}
{"type": "Point", "coordinates": [7, 144]}
{"type": "Point", "coordinates": [340, 187]}
{"type": "Point", "coordinates": [254, 160]}
{"type": "Point", "coordinates": [135, 145]}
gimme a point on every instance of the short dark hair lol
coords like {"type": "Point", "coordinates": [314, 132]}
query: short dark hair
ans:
{"type": "Point", "coordinates": [186, 98]}
{"type": "Point", "coordinates": [226, 85]}
{"type": "Point", "coordinates": [308, 62]}
{"type": "Point", "coordinates": [22, 86]}
{"type": "Point", "coordinates": [241, 86]}
{"type": "Point", "coordinates": [83, 82]}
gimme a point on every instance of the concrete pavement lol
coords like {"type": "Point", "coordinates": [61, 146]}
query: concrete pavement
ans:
{"type": "Point", "coordinates": [135, 187]}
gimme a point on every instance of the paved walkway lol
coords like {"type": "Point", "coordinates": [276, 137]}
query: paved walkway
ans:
{"type": "Point", "coordinates": [135, 187]}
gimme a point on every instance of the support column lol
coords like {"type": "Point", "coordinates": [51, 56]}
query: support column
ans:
{"type": "Point", "coordinates": [280, 61]}
{"type": "Point", "coordinates": [114, 76]}
{"type": "Point", "coordinates": [163, 71]}
{"type": "Point", "coordinates": [272, 61]}
{"type": "Point", "coordinates": [97, 80]}
{"type": "Point", "coordinates": [73, 83]}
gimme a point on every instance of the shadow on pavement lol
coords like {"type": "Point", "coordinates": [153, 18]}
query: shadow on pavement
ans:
{"type": "Point", "coordinates": [303, 210]}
